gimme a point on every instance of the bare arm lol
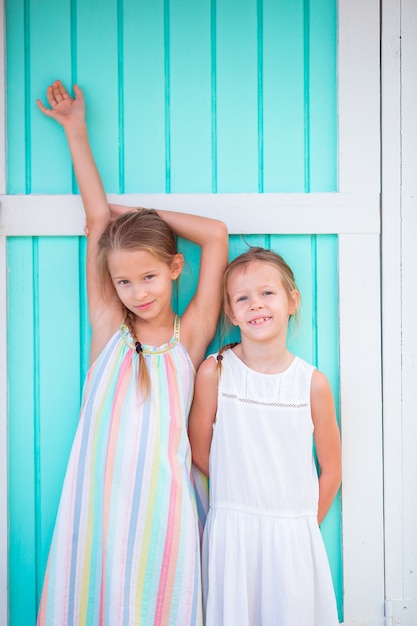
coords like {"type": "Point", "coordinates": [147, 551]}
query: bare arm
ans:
{"type": "Point", "coordinates": [200, 318]}
{"type": "Point", "coordinates": [104, 307]}
{"type": "Point", "coordinates": [203, 414]}
{"type": "Point", "coordinates": [327, 441]}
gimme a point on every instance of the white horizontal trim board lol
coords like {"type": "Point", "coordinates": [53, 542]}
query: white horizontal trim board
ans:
{"type": "Point", "coordinates": [318, 213]}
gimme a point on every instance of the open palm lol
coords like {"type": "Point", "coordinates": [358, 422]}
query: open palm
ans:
{"type": "Point", "coordinates": [64, 109]}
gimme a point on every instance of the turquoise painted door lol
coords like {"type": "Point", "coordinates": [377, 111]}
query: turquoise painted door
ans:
{"type": "Point", "coordinates": [191, 97]}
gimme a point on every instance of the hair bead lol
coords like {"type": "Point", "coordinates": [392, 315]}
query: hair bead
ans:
{"type": "Point", "coordinates": [138, 347]}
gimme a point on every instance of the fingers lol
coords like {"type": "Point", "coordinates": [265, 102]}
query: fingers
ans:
{"type": "Point", "coordinates": [43, 108]}
{"type": "Point", "coordinates": [60, 93]}
{"type": "Point", "coordinates": [56, 93]}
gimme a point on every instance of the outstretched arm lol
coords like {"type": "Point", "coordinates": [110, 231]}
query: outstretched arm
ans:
{"type": "Point", "coordinates": [104, 307]}
{"type": "Point", "coordinates": [203, 414]}
{"type": "Point", "coordinates": [70, 114]}
{"type": "Point", "coordinates": [327, 441]}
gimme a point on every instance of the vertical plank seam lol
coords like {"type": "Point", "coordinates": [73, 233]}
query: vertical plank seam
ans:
{"type": "Point", "coordinates": [74, 67]}
{"type": "Point", "coordinates": [121, 95]}
{"type": "Point", "coordinates": [27, 81]}
{"type": "Point", "coordinates": [213, 62]}
{"type": "Point", "coordinates": [306, 56]}
{"type": "Point", "coordinates": [260, 60]}
{"type": "Point", "coordinates": [36, 413]}
{"type": "Point", "coordinates": [83, 312]}
{"type": "Point", "coordinates": [314, 347]}
{"type": "Point", "coordinates": [167, 79]}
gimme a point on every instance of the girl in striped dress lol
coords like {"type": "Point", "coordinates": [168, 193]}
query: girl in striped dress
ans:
{"type": "Point", "coordinates": [125, 548]}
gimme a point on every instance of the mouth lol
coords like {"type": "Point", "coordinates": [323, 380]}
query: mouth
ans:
{"type": "Point", "coordinates": [145, 307]}
{"type": "Point", "coordinates": [259, 320]}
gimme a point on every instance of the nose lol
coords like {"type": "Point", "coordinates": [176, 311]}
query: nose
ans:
{"type": "Point", "coordinates": [140, 292]}
{"type": "Point", "coordinates": [256, 304]}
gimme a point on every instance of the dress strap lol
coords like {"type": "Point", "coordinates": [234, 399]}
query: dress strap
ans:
{"type": "Point", "coordinates": [177, 326]}
{"type": "Point", "coordinates": [147, 349]}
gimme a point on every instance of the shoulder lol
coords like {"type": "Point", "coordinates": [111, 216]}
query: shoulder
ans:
{"type": "Point", "coordinates": [319, 381]}
{"type": "Point", "coordinates": [321, 395]}
{"type": "Point", "coordinates": [208, 369]}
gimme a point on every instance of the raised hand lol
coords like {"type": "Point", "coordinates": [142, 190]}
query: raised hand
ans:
{"type": "Point", "coordinates": [64, 109]}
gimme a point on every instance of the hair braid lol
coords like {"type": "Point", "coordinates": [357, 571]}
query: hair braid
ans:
{"type": "Point", "coordinates": [143, 374]}
{"type": "Point", "coordinates": [219, 356]}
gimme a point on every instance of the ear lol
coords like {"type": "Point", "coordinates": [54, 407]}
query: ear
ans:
{"type": "Point", "coordinates": [177, 266]}
{"type": "Point", "coordinates": [293, 301]}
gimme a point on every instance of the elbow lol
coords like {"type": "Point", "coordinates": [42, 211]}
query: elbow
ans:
{"type": "Point", "coordinates": [201, 464]}
{"type": "Point", "coordinates": [220, 231]}
{"type": "Point", "coordinates": [200, 460]}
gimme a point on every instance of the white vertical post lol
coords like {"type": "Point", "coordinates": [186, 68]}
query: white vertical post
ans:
{"type": "Point", "coordinates": [391, 295]}
{"type": "Point", "coordinates": [399, 303]}
{"type": "Point", "coordinates": [360, 314]}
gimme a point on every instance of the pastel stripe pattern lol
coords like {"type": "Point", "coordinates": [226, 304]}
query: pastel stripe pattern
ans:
{"type": "Point", "coordinates": [126, 545]}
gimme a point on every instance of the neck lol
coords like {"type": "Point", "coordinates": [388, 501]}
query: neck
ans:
{"type": "Point", "coordinates": [265, 359]}
{"type": "Point", "coordinates": [154, 332]}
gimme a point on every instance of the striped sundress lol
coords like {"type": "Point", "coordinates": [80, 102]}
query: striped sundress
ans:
{"type": "Point", "coordinates": [125, 549]}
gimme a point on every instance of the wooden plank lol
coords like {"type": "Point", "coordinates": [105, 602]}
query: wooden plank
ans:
{"type": "Point", "coordinates": [190, 97]}
{"type": "Point", "coordinates": [399, 300]}
{"type": "Point", "coordinates": [4, 510]}
{"type": "Point", "coordinates": [237, 96]}
{"type": "Point", "coordinates": [16, 114]}
{"type": "Point", "coordinates": [144, 97]}
{"type": "Point", "coordinates": [391, 298]}
{"type": "Point", "coordinates": [22, 433]}
{"type": "Point", "coordinates": [59, 381]}
{"type": "Point", "coordinates": [359, 95]}
{"type": "Point", "coordinates": [326, 213]}
{"type": "Point", "coordinates": [326, 325]}
{"type": "Point", "coordinates": [409, 293]}
{"type": "Point", "coordinates": [2, 101]}
{"type": "Point", "coordinates": [98, 65]}
{"type": "Point", "coordinates": [321, 59]}
{"type": "Point", "coordinates": [283, 96]}
{"type": "Point", "coordinates": [48, 163]}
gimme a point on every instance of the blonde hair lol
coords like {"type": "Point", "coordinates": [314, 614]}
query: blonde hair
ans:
{"type": "Point", "coordinates": [139, 229]}
{"type": "Point", "coordinates": [240, 263]}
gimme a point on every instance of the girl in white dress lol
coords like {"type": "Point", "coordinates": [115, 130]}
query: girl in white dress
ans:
{"type": "Point", "coordinates": [256, 410]}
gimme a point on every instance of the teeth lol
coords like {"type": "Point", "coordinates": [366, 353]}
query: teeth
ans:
{"type": "Point", "coordinates": [259, 320]}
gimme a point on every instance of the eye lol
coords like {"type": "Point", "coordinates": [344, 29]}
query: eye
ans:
{"type": "Point", "coordinates": [149, 277]}
{"type": "Point", "coordinates": [241, 298]}
{"type": "Point", "coordinates": [267, 293]}
{"type": "Point", "coordinates": [123, 282]}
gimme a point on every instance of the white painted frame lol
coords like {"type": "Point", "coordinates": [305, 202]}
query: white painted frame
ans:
{"type": "Point", "coordinates": [353, 214]}
{"type": "Point", "coordinates": [399, 305]}
{"type": "Point", "coordinates": [360, 319]}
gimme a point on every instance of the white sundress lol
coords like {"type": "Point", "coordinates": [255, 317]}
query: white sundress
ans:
{"type": "Point", "coordinates": [264, 560]}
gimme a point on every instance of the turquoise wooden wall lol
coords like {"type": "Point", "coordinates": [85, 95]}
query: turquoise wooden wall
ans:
{"type": "Point", "coordinates": [182, 96]}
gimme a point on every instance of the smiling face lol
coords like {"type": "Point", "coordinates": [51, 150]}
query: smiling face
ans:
{"type": "Point", "coordinates": [258, 301]}
{"type": "Point", "coordinates": [143, 282]}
